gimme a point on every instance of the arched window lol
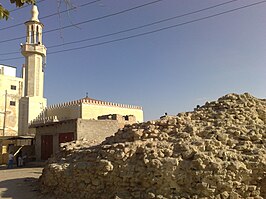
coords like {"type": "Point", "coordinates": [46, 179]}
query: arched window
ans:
{"type": "Point", "coordinates": [32, 34]}
{"type": "Point", "coordinates": [37, 35]}
{"type": "Point", "coordinates": [29, 34]}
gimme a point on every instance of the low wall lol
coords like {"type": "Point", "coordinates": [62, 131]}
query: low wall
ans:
{"type": "Point", "coordinates": [96, 130]}
{"type": "Point", "coordinates": [92, 130]}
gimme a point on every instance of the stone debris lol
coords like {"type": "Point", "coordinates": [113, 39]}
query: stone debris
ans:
{"type": "Point", "coordinates": [217, 151]}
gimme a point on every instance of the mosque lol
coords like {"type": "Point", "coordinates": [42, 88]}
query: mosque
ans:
{"type": "Point", "coordinates": [26, 118]}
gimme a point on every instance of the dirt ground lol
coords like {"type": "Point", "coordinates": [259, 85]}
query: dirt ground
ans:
{"type": "Point", "coordinates": [20, 183]}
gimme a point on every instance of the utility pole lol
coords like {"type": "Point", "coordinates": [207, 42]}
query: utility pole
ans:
{"type": "Point", "coordinates": [4, 123]}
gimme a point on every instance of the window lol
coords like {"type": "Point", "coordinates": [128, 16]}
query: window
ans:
{"type": "Point", "coordinates": [126, 117]}
{"type": "Point", "coordinates": [12, 103]}
{"type": "Point", "coordinates": [13, 87]}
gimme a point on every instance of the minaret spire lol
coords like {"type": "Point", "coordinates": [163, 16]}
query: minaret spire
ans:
{"type": "Point", "coordinates": [35, 13]}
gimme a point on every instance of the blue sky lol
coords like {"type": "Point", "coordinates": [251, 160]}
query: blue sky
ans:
{"type": "Point", "coordinates": [168, 71]}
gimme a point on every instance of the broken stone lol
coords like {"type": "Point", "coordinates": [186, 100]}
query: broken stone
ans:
{"type": "Point", "coordinates": [218, 151]}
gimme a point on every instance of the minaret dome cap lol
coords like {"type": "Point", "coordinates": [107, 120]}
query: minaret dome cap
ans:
{"type": "Point", "coordinates": [35, 13]}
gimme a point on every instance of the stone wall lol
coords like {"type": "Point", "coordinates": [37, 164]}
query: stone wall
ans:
{"type": "Point", "coordinates": [92, 130]}
{"type": "Point", "coordinates": [96, 130]}
{"type": "Point", "coordinates": [123, 120]}
{"type": "Point", "coordinates": [217, 151]}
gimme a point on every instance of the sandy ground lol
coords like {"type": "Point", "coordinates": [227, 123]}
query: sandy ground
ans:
{"type": "Point", "coordinates": [20, 183]}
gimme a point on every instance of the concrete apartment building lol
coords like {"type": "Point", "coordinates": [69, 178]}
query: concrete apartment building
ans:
{"type": "Point", "coordinates": [11, 88]}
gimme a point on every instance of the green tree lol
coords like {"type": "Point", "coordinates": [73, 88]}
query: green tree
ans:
{"type": "Point", "coordinates": [4, 13]}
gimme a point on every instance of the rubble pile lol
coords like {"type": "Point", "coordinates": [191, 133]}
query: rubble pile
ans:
{"type": "Point", "coordinates": [217, 151]}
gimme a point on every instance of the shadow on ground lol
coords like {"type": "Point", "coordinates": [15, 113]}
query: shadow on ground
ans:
{"type": "Point", "coordinates": [28, 165]}
{"type": "Point", "coordinates": [21, 188]}
{"type": "Point", "coordinates": [21, 182]}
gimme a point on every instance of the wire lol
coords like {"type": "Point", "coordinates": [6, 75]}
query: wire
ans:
{"type": "Point", "coordinates": [47, 16]}
{"type": "Point", "coordinates": [24, 6]}
{"type": "Point", "coordinates": [13, 58]}
{"type": "Point", "coordinates": [105, 16]}
{"type": "Point", "coordinates": [10, 53]}
{"type": "Point", "coordinates": [160, 29]}
{"type": "Point", "coordinates": [151, 32]}
{"type": "Point", "coordinates": [87, 21]}
{"type": "Point", "coordinates": [142, 26]}
{"type": "Point", "coordinates": [135, 28]}
{"type": "Point", "coordinates": [73, 8]}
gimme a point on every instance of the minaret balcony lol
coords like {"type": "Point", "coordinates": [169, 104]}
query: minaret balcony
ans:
{"type": "Point", "coordinates": [33, 48]}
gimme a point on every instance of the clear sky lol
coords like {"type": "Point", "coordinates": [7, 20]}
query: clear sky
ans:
{"type": "Point", "coordinates": [171, 70]}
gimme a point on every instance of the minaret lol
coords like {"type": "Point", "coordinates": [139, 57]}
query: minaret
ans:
{"type": "Point", "coordinates": [32, 103]}
{"type": "Point", "coordinates": [34, 52]}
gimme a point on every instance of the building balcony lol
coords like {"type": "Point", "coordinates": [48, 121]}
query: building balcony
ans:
{"type": "Point", "coordinates": [33, 48]}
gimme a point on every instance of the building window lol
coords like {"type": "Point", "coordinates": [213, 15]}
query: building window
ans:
{"type": "Point", "coordinates": [12, 103]}
{"type": "Point", "coordinates": [13, 87]}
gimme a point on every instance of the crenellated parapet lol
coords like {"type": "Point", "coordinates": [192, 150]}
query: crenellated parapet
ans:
{"type": "Point", "coordinates": [102, 103]}
{"type": "Point", "coordinates": [85, 108]}
{"type": "Point", "coordinates": [42, 120]}
{"type": "Point", "coordinates": [63, 105]}
{"type": "Point", "coordinates": [90, 101]}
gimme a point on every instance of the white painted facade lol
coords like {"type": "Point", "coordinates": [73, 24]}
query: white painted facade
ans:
{"type": "Point", "coordinates": [11, 90]}
{"type": "Point", "coordinates": [8, 70]}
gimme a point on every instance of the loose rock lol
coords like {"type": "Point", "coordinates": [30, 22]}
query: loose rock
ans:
{"type": "Point", "coordinates": [217, 151]}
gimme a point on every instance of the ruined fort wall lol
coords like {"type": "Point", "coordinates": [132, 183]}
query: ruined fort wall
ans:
{"type": "Point", "coordinates": [217, 152]}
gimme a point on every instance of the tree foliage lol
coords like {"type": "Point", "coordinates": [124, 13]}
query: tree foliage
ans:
{"type": "Point", "coordinates": [4, 13]}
